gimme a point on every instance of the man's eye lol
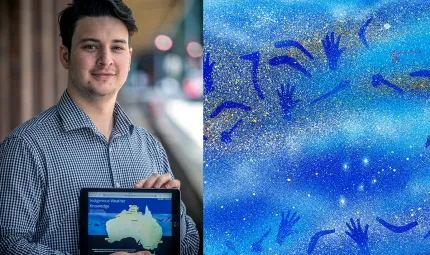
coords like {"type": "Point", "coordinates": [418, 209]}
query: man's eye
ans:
{"type": "Point", "coordinates": [117, 48]}
{"type": "Point", "coordinates": [90, 47]}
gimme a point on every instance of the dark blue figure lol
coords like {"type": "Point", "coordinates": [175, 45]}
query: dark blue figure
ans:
{"type": "Point", "coordinates": [420, 73]}
{"type": "Point", "coordinates": [397, 229]}
{"type": "Point", "coordinates": [231, 246]}
{"type": "Point", "coordinates": [226, 135]}
{"type": "Point", "coordinates": [362, 32]}
{"type": "Point", "coordinates": [343, 85]}
{"type": "Point", "coordinates": [286, 100]}
{"type": "Point", "coordinates": [359, 236]}
{"type": "Point", "coordinates": [255, 58]}
{"type": "Point", "coordinates": [316, 237]}
{"type": "Point", "coordinates": [291, 62]}
{"type": "Point", "coordinates": [256, 246]}
{"type": "Point", "coordinates": [229, 105]}
{"type": "Point", "coordinates": [207, 74]}
{"type": "Point", "coordinates": [332, 51]}
{"type": "Point", "coordinates": [285, 227]}
{"type": "Point", "coordinates": [291, 43]}
{"type": "Point", "coordinates": [378, 80]}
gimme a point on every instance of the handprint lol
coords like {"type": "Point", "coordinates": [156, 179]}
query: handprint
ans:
{"type": "Point", "coordinates": [359, 236]}
{"type": "Point", "coordinates": [332, 51]}
{"type": "Point", "coordinates": [286, 100]}
{"type": "Point", "coordinates": [285, 228]}
{"type": "Point", "coordinates": [207, 74]}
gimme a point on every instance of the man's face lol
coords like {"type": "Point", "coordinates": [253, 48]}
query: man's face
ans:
{"type": "Point", "coordinates": [99, 58]}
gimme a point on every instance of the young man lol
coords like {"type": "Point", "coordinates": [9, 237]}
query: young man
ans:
{"type": "Point", "coordinates": [86, 140]}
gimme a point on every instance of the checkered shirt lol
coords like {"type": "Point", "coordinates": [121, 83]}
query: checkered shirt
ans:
{"type": "Point", "coordinates": [47, 160]}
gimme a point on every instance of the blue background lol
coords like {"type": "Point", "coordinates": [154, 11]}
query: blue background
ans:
{"type": "Point", "coordinates": [359, 153]}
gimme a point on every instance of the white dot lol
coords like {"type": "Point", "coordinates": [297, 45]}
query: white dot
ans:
{"type": "Point", "coordinates": [309, 195]}
{"type": "Point", "coordinates": [289, 179]}
{"type": "Point", "coordinates": [365, 160]}
{"type": "Point", "coordinates": [253, 194]}
{"type": "Point", "coordinates": [407, 158]}
{"type": "Point", "coordinates": [244, 218]}
{"type": "Point", "coordinates": [222, 206]}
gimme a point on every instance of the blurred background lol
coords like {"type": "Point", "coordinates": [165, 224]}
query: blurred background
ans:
{"type": "Point", "coordinates": [163, 92]}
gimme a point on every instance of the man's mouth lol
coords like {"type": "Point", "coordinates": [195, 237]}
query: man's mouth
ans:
{"type": "Point", "coordinates": [103, 76]}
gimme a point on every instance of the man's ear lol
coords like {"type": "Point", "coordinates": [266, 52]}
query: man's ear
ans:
{"type": "Point", "coordinates": [64, 56]}
{"type": "Point", "coordinates": [130, 51]}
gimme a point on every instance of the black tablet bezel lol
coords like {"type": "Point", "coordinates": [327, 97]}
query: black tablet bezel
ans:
{"type": "Point", "coordinates": [176, 214]}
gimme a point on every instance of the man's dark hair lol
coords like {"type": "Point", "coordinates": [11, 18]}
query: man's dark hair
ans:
{"type": "Point", "coordinates": [68, 18]}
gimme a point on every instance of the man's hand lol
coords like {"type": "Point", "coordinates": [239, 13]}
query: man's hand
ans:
{"type": "Point", "coordinates": [158, 181]}
{"type": "Point", "coordinates": [136, 253]}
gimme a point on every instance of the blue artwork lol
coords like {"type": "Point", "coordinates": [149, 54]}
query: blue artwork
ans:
{"type": "Point", "coordinates": [318, 140]}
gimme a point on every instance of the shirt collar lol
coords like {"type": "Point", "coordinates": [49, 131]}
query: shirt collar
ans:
{"type": "Point", "coordinates": [75, 118]}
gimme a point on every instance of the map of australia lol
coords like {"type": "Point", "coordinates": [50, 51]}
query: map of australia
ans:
{"type": "Point", "coordinates": [131, 223]}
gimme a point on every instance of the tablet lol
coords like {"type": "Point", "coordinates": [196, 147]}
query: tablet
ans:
{"type": "Point", "coordinates": [129, 220]}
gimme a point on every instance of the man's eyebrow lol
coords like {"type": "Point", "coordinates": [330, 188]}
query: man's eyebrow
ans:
{"type": "Point", "coordinates": [89, 40]}
{"type": "Point", "coordinates": [119, 41]}
{"type": "Point", "coordinates": [83, 40]}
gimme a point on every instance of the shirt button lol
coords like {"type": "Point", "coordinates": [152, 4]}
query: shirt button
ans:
{"type": "Point", "coordinates": [117, 184]}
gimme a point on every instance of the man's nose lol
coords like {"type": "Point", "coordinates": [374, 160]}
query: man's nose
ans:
{"type": "Point", "coordinates": [104, 57]}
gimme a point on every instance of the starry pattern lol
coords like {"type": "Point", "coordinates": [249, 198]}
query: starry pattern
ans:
{"type": "Point", "coordinates": [359, 153]}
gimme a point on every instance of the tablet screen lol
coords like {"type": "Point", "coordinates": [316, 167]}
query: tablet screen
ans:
{"type": "Point", "coordinates": [129, 221]}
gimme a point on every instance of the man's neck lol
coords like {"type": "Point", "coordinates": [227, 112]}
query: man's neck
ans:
{"type": "Point", "coordinates": [100, 111]}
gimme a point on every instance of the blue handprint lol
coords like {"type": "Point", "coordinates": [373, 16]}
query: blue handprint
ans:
{"type": "Point", "coordinates": [359, 236]}
{"type": "Point", "coordinates": [285, 227]}
{"type": "Point", "coordinates": [207, 74]}
{"type": "Point", "coordinates": [286, 100]}
{"type": "Point", "coordinates": [332, 51]}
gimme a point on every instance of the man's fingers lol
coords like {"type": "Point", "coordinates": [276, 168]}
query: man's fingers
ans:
{"type": "Point", "coordinates": [162, 180]}
{"type": "Point", "coordinates": [149, 183]}
{"type": "Point", "coordinates": [140, 183]}
{"type": "Point", "coordinates": [172, 184]}
{"type": "Point", "coordinates": [158, 181]}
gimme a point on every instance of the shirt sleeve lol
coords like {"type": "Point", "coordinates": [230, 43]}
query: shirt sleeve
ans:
{"type": "Point", "coordinates": [189, 235]}
{"type": "Point", "coordinates": [21, 197]}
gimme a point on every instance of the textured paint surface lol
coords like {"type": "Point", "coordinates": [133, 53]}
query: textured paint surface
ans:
{"type": "Point", "coordinates": [327, 120]}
